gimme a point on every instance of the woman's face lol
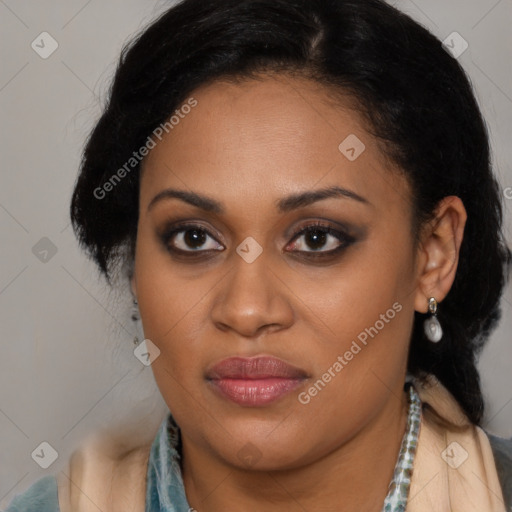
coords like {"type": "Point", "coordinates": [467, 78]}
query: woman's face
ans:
{"type": "Point", "coordinates": [318, 321]}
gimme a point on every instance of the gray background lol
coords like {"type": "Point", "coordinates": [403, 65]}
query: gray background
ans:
{"type": "Point", "coordinates": [67, 367]}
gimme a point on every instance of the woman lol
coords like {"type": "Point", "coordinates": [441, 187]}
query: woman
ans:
{"type": "Point", "coordinates": [300, 194]}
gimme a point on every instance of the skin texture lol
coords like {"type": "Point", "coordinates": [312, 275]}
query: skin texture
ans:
{"type": "Point", "coordinates": [247, 145]}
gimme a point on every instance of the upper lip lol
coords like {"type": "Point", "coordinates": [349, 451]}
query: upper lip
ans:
{"type": "Point", "coordinates": [259, 367]}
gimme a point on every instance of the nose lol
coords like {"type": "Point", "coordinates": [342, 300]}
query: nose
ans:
{"type": "Point", "coordinates": [252, 299]}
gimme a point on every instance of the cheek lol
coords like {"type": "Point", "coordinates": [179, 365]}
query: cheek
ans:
{"type": "Point", "coordinates": [173, 317]}
{"type": "Point", "coordinates": [374, 276]}
{"type": "Point", "coordinates": [366, 312]}
{"type": "Point", "coordinates": [167, 293]}
{"type": "Point", "coordinates": [361, 344]}
{"type": "Point", "coordinates": [168, 307]}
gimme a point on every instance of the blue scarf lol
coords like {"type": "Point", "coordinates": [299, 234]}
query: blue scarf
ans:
{"type": "Point", "coordinates": [165, 491]}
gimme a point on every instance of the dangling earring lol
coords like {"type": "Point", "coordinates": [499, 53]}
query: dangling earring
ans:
{"type": "Point", "coordinates": [432, 327]}
{"type": "Point", "coordinates": [135, 318]}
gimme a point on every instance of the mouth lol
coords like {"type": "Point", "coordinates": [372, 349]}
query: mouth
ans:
{"type": "Point", "coordinates": [254, 381]}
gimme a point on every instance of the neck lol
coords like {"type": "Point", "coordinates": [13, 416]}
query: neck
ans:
{"type": "Point", "coordinates": [356, 474]}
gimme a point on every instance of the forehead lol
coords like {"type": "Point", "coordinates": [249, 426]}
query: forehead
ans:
{"type": "Point", "coordinates": [266, 137]}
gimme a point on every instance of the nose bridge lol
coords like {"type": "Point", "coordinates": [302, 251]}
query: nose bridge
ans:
{"type": "Point", "coordinates": [249, 283]}
{"type": "Point", "coordinates": [250, 297]}
{"type": "Point", "coordinates": [250, 265]}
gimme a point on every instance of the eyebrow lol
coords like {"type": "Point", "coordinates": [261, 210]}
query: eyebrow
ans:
{"type": "Point", "coordinates": [284, 205]}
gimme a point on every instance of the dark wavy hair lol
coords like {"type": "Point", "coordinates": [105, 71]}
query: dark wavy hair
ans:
{"type": "Point", "coordinates": [413, 93]}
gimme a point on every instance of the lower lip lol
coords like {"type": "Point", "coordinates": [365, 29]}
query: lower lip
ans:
{"type": "Point", "coordinates": [255, 392]}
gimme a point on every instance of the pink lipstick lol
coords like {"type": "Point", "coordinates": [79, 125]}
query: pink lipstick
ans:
{"type": "Point", "coordinates": [254, 381]}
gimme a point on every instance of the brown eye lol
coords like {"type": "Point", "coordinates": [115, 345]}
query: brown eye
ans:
{"type": "Point", "coordinates": [316, 238]}
{"type": "Point", "coordinates": [190, 239]}
{"type": "Point", "coordinates": [320, 239]}
{"type": "Point", "coordinates": [194, 238]}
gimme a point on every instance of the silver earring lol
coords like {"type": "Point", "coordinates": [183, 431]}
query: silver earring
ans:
{"type": "Point", "coordinates": [432, 327]}
{"type": "Point", "coordinates": [135, 317]}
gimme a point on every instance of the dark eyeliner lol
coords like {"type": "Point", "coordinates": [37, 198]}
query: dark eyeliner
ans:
{"type": "Point", "coordinates": [345, 239]}
{"type": "Point", "coordinates": [169, 231]}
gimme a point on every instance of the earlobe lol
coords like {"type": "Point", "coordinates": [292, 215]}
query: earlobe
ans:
{"type": "Point", "coordinates": [439, 252]}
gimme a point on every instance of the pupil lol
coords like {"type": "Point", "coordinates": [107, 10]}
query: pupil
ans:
{"type": "Point", "coordinates": [194, 237]}
{"type": "Point", "coordinates": [317, 237]}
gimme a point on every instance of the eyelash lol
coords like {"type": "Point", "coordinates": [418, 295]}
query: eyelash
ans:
{"type": "Point", "coordinates": [344, 239]}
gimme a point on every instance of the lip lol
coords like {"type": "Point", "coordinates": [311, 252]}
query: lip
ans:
{"type": "Point", "coordinates": [254, 381]}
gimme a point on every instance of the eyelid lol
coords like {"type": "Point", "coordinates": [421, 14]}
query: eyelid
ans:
{"type": "Point", "coordinates": [345, 237]}
{"type": "Point", "coordinates": [172, 229]}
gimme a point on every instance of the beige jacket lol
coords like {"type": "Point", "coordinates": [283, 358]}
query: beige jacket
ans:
{"type": "Point", "coordinates": [454, 469]}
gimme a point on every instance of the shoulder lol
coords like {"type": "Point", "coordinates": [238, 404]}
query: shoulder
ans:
{"type": "Point", "coordinates": [502, 451]}
{"type": "Point", "coordinates": [41, 496]}
{"type": "Point", "coordinates": [104, 469]}
{"type": "Point", "coordinates": [107, 472]}
{"type": "Point", "coordinates": [443, 415]}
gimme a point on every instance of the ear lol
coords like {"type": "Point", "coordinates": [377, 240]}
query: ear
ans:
{"type": "Point", "coordinates": [438, 252]}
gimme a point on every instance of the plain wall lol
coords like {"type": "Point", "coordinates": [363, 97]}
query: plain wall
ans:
{"type": "Point", "coordinates": [67, 367]}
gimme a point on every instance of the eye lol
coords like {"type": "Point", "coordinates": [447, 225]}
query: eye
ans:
{"type": "Point", "coordinates": [320, 240]}
{"type": "Point", "coordinates": [190, 238]}
{"type": "Point", "coordinates": [315, 240]}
